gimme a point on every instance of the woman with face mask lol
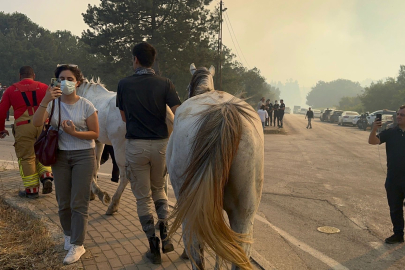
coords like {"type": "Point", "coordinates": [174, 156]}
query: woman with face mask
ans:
{"type": "Point", "coordinates": [75, 162]}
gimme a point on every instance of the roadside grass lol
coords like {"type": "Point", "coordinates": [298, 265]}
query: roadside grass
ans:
{"type": "Point", "coordinates": [25, 243]}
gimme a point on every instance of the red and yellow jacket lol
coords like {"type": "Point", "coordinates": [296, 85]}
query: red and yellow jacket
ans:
{"type": "Point", "coordinates": [19, 95]}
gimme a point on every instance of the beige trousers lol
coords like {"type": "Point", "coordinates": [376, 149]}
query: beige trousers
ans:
{"type": "Point", "coordinates": [146, 170]}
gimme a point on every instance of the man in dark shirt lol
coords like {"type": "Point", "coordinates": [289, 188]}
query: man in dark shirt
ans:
{"type": "Point", "coordinates": [281, 114]}
{"type": "Point", "coordinates": [269, 109]}
{"type": "Point", "coordinates": [275, 109]}
{"type": "Point", "coordinates": [309, 115]}
{"type": "Point", "coordinates": [394, 139]}
{"type": "Point", "coordinates": [142, 100]}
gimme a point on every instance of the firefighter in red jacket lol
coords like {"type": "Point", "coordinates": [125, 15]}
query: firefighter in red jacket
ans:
{"type": "Point", "coordinates": [25, 97]}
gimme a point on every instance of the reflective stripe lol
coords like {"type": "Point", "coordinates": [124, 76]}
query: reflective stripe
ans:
{"type": "Point", "coordinates": [30, 180]}
{"type": "Point", "coordinates": [43, 169]}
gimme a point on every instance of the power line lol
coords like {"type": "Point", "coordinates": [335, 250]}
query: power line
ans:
{"type": "Point", "coordinates": [226, 14]}
{"type": "Point", "coordinates": [236, 48]}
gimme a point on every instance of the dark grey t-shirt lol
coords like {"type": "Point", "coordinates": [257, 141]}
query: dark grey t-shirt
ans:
{"type": "Point", "coordinates": [143, 99]}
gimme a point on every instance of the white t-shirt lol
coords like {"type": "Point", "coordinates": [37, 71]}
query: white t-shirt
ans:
{"type": "Point", "coordinates": [263, 115]}
{"type": "Point", "coordinates": [78, 113]}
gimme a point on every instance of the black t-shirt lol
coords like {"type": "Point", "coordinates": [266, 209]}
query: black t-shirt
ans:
{"type": "Point", "coordinates": [269, 107]}
{"type": "Point", "coordinates": [143, 99]}
{"type": "Point", "coordinates": [394, 139]}
{"type": "Point", "coordinates": [281, 111]}
{"type": "Point", "coordinates": [310, 114]}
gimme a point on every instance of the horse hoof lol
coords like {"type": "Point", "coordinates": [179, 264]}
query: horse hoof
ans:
{"type": "Point", "coordinates": [106, 198]}
{"type": "Point", "coordinates": [92, 196]}
{"type": "Point", "coordinates": [110, 212]}
{"type": "Point", "coordinates": [184, 256]}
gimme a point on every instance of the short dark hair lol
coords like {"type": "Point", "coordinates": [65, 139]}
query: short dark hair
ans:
{"type": "Point", "coordinates": [74, 69]}
{"type": "Point", "coordinates": [145, 53]}
{"type": "Point", "coordinates": [27, 72]}
{"type": "Point", "coordinates": [402, 107]}
{"type": "Point", "coordinates": [262, 107]}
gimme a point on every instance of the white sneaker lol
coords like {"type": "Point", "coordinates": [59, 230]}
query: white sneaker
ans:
{"type": "Point", "coordinates": [67, 245]}
{"type": "Point", "coordinates": [74, 254]}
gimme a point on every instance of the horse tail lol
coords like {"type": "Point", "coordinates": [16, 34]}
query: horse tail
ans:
{"type": "Point", "coordinates": [200, 203]}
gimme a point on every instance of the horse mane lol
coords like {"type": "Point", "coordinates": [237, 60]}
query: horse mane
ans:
{"type": "Point", "coordinates": [93, 82]}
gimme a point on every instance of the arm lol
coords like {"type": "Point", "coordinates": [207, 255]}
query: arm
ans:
{"type": "Point", "coordinates": [41, 114]}
{"type": "Point", "coordinates": [91, 134]}
{"type": "Point", "coordinates": [174, 108]}
{"type": "Point", "coordinates": [4, 107]}
{"type": "Point", "coordinates": [123, 116]}
{"type": "Point", "coordinates": [373, 139]}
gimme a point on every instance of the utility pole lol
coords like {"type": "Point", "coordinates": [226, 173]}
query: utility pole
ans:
{"type": "Point", "coordinates": [220, 45]}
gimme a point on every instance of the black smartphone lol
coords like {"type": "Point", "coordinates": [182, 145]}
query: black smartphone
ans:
{"type": "Point", "coordinates": [55, 82]}
{"type": "Point", "coordinates": [378, 117]}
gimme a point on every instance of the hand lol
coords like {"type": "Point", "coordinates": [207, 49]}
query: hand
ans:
{"type": "Point", "coordinates": [4, 133]}
{"type": "Point", "coordinates": [51, 94]}
{"type": "Point", "coordinates": [69, 127]}
{"type": "Point", "coordinates": [377, 125]}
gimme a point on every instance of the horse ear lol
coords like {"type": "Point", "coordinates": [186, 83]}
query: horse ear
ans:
{"type": "Point", "coordinates": [192, 69]}
{"type": "Point", "coordinates": [212, 70]}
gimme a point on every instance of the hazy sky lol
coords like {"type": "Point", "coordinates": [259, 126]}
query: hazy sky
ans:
{"type": "Point", "coordinates": [306, 40]}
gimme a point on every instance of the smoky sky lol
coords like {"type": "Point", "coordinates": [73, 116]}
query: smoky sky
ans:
{"type": "Point", "coordinates": [305, 40]}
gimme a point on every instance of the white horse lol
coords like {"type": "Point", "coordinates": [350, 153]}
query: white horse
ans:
{"type": "Point", "coordinates": [215, 162]}
{"type": "Point", "coordinates": [112, 132]}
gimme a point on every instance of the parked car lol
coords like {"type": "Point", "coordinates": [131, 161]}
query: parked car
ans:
{"type": "Point", "coordinates": [303, 111]}
{"type": "Point", "coordinates": [287, 110]}
{"type": "Point", "coordinates": [355, 120]}
{"type": "Point", "coordinates": [297, 109]}
{"type": "Point", "coordinates": [388, 120]}
{"type": "Point", "coordinates": [324, 115]}
{"type": "Point", "coordinates": [371, 117]}
{"type": "Point", "coordinates": [346, 118]}
{"type": "Point", "coordinates": [334, 117]}
{"type": "Point", "coordinates": [317, 113]}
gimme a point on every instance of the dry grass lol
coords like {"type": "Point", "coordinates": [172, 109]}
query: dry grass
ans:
{"type": "Point", "coordinates": [25, 242]}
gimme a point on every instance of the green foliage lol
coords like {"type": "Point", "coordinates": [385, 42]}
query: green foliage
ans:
{"type": "Point", "coordinates": [388, 94]}
{"type": "Point", "coordinates": [351, 104]}
{"type": "Point", "coordinates": [327, 94]}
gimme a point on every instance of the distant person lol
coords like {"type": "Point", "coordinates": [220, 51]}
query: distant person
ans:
{"type": "Point", "coordinates": [281, 114]}
{"type": "Point", "coordinates": [276, 106]}
{"type": "Point", "coordinates": [25, 97]}
{"type": "Point", "coordinates": [261, 103]}
{"type": "Point", "coordinates": [269, 109]}
{"type": "Point", "coordinates": [263, 115]}
{"type": "Point", "coordinates": [2, 90]}
{"type": "Point", "coordinates": [394, 139]}
{"type": "Point", "coordinates": [310, 116]}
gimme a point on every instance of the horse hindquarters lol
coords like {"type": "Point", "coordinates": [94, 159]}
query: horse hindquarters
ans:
{"type": "Point", "coordinates": [200, 200]}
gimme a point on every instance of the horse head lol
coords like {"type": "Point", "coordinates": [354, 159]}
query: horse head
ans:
{"type": "Point", "coordinates": [202, 80]}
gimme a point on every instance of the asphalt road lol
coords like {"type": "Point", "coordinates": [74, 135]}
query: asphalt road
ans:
{"type": "Point", "coordinates": [325, 176]}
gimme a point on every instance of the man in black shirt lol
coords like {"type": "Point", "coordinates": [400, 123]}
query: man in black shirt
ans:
{"type": "Point", "coordinates": [275, 109]}
{"type": "Point", "coordinates": [281, 114]}
{"type": "Point", "coordinates": [142, 100]}
{"type": "Point", "coordinates": [394, 139]}
{"type": "Point", "coordinates": [309, 115]}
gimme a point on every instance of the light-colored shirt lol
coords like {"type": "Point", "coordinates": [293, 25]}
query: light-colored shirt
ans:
{"type": "Point", "coordinates": [78, 114]}
{"type": "Point", "coordinates": [260, 104]}
{"type": "Point", "coordinates": [263, 115]}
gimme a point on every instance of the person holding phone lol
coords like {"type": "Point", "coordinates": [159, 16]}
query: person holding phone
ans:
{"type": "Point", "coordinates": [394, 139]}
{"type": "Point", "coordinates": [75, 161]}
{"type": "Point", "coordinates": [25, 97]}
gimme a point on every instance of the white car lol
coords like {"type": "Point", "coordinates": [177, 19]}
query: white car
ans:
{"type": "Point", "coordinates": [317, 113]}
{"type": "Point", "coordinates": [355, 120]}
{"type": "Point", "coordinates": [347, 118]}
{"type": "Point", "coordinates": [303, 111]}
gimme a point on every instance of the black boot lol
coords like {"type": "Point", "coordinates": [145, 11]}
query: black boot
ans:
{"type": "Point", "coordinates": [167, 245]}
{"type": "Point", "coordinates": [154, 253]}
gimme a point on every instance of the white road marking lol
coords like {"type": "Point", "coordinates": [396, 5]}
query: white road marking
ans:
{"type": "Point", "coordinates": [304, 247]}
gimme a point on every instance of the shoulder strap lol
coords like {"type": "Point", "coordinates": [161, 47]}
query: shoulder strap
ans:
{"type": "Point", "coordinates": [52, 110]}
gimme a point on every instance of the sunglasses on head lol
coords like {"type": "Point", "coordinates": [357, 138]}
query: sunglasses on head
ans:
{"type": "Point", "coordinates": [69, 65]}
{"type": "Point", "coordinates": [401, 114]}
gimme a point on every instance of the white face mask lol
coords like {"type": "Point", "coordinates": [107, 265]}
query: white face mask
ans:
{"type": "Point", "coordinates": [67, 87]}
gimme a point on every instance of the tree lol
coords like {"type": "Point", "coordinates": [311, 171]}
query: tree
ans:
{"type": "Point", "coordinates": [351, 104]}
{"type": "Point", "coordinates": [327, 94]}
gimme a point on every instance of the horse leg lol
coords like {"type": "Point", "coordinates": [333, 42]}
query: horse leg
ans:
{"type": "Point", "coordinates": [242, 222]}
{"type": "Point", "coordinates": [95, 189]}
{"type": "Point", "coordinates": [197, 254]}
{"type": "Point", "coordinates": [113, 207]}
